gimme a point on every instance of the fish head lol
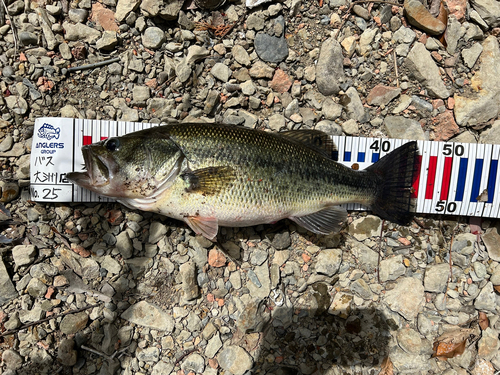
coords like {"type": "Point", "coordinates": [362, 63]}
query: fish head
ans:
{"type": "Point", "coordinates": [132, 166]}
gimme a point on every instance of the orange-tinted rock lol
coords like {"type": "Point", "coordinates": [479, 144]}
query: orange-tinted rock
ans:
{"type": "Point", "coordinates": [445, 126]}
{"type": "Point", "coordinates": [281, 82]}
{"type": "Point", "coordinates": [104, 17]}
{"type": "Point", "coordinates": [420, 17]}
{"type": "Point", "coordinates": [382, 95]}
{"type": "Point", "coordinates": [457, 8]}
{"type": "Point", "coordinates": [216, 258]}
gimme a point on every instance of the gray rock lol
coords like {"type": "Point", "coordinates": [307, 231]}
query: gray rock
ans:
{"type": "Point", "coordinates": [353, 105]}
{"type": "Point", "coordinates": [85, 267]}
{"type": "Point", "coordinates": [213, 346]}
{"type": "Point", "coordinates": [329, 69]}
{"type": "Point", "coordinates": [235, 360]}
{"type": "Point", "coordinates": [124, 7]}
{"type": "Point", "coordinates": [259, 285]}
{"type": "Point", "coordinates": [261, 70]}
{"type": "Point", "coordinates": [258, 257]}
{"type": "Point", "coordinates": [36, 288]}
{"type": "Point", "coordinates": [193, 362]}
{"type": "Point", "coordinates": [108, 41]}
{"type": "Point", "coordinates": [241, 55]}
{"type": "Point", "coordinates": [328, 261]}
{"type": "Point", "coordinates": [255, 3]}
{"type": "Point", "coordinates": [148, 315]}
{"type": "Point", "coordinates": [483, 105]}
{"type": "Point", "coordinates": [277, 122]}
{"type": "Point", "coordinates": [221, 72]}
{"type": "Point", "coordinates": [78, 15]}
{"type": "Point", "coordinates": [65, 352]}
{"type": "Point", "coordinates": [139, 266]}
{"type": "Point", "coordinates": [80, 32]}
{"type": "Point", "coordinates": [27, 316]}
{"type": "Point", "coordinates": [361, 289]}
{"type": "Point", "coordinates": [281, 241]}
{"type": "Point", "coordinates": [7, 289]}
{"type": "Point", "coordinates": [491, 240]}
{"type": "Point", "coordinates": [196, 53]}
{"type": "Point", "coordinates": [27, 38]}
{"type": "Point", "coordinates": [404, 128]}
{"type": "Point", "coordinates": [423, 68]}
{"type": "Point", "coordinates": [24, 254]}
{"type": "Point", "coordinates": [252, 317]}
{"type": "Point", "coordinates": [350, 127]}
{"type": "Point", "coordinates": [17, 104]}
{"type": "Point", "coordinates": [329, 127]}
{"type": "Point", "coordinates": [486, 300]}
{"type": "Point", "coordinates": [124, 245]}
{"type": "Point", "coordinates": [489, 10]}
{"type": "Point", "coordinates": [407, 298]}
{"type": "Point", "coordinates": [409, 340]}
{"type": "Point", "coordinates": [367, 258]}
{"type": "Point", "coordinates": [404, 35]}
{"type": "Point", "coordinates": [153, 37]}
{"type": "Point", "coordinates": [73, 323]}
{"type": "Point", "coordinates": [187, 273]}
{"type": "Point", "coordinates": [151, 354]}
{"type": "Point", "coordinates": [255, 21]}
{"type": "Point", "coordinates": [407, 363]}
{"type": "Point", "coordinates": [331, 110]}
{"type": "Point", "coordinates": [489, 344]}
{"type": "Point", "coordinates": [470, 55]}
{"type": "Point", "coordinates": [140, 94]}
{"type": "Point", "coordinates": [365, 227]}
{"type": "Point", "coordinates": [162, 368]}
{"type": "Point", "coordinates": [7, 143]}
{"type": "Point", "coordinates": [436, 277]}
{"type": "Point", "coordinates": [454, 31]}
{"type": "Point", "coordinates": [270, 48]}
{"type": "Point", "coordinates": [12, 359]}
{"type": "Point", "coordinates": [392, 268]}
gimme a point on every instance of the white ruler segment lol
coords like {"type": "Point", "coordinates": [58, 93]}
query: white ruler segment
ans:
{"type": "Point", "coordinates": [455, 178]}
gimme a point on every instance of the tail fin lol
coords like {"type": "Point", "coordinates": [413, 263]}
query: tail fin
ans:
{"type": "Point", "coordinates": [396, 173]}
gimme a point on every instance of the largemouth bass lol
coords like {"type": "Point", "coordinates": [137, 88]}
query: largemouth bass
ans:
{"type": "Point", "coordinates": [211, 175]}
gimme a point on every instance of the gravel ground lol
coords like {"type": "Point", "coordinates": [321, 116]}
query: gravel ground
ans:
{"type": "Point", "coordinates": [129, 292]}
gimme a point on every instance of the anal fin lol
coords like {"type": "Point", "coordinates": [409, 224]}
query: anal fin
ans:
{"type": "Point", "coordinates": [325, 221]}
{"type": "Point", "coordinates": [206, 226]}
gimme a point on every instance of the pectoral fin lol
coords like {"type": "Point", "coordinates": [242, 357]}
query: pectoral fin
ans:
{"type": "Point", "coordinates": [209, 180]}
{"type": "Point", "coordinates": [206, 226]}
{"type": "Point", "coordinates": [325, 221]}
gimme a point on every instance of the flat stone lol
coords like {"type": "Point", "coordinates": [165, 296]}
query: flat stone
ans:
{"type": "Point", "coordinates": [360, 288]}
{"type": "Point", "coordinates": [329, 68]}
{"type": "Point", "coordinates": [24, 254]}
{"type": "Point", "coordinates": [409, 340]}
{"type": "Point", "coordinates": [407, 298]}
{"type": "Point", "coordinates": [483, 102]}
{"type": "Point", "coordinates": [65, 352]}
{"type": "Point", "coordinates": [259, 285]}
{"type": "Point", "coordinates": [392, 268]}
{"type": "Point", "coordinates": [382, 95]}
{"type": "Point", "coordinates": [445, 126]}
{"type": "Point", "coordinates": [151, 354]}
{"type": "Point", "coordinates": [436, 277]}
{"type": "Point", "coordinates": [241, 56]}
{"type": "Point", "coordinates": [486, 300]}
{"type": "Point", "coordinates": [270, 48]}
{"type": "Point", "coordinates": [7, 289]}
{"type": "Point", "coordinates": [187, 274]}
{"type": "Point", "coordinates": [365, 227]}
{"type": "Point", "coordinates": [328, 261]}
{"type": "Point", "coordinates": [489, 10]}
{"type": "Point", "coordinates": [261, 70]}
{"type": "Point", "coordinates": [124, 7]}
{"type": "Point", "coordinates": [420, 17]}
{"type": "Point", "coordinates": [221, 72]}
{"type": "Point", "coordinates": [423, 68]}
{"type": "Point", "coordinates": [80, 32]}
{"type": "Point", "coordinates": [72, 323]}
{"type": "Point", "coordinates": [488, 344]}
{"type": "Point", "coordinates": [341, 305]}
{"type": "Point", "coordinates": [148, 315]}
{"type": "Point", "coordinates": [235, 360]}
{"type": "Point", "coordinates": [491, 240]}
{"type": "Point", "coordinates": [12, 360]}
{"type": "Point", "coordinates": [213, 346]}
{"type": "Point", "coordinates": [470, 55]}
{"type": "Point", "coordinates": [353, 106]}
{"type": "Point", "coordinates": [153, 37]}
{"type": "Point", "coordinates": [195, 363]}
{"type": "Point", "coordinates": [281, 82]}
{"type": "Point", "coordinates": [87, 268]}
{"type": "Point", "coordinates": [404, 128]}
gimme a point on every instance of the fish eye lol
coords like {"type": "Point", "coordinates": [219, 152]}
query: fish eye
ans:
{"type": "Point", "coordinates": [112, 144]}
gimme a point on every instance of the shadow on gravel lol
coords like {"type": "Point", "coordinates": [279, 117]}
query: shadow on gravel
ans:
{"type": "Point", "coordinates": [321, 343]}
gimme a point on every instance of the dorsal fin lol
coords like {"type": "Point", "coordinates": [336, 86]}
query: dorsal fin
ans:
{"type": "Point", "coordinates": [316, 140]}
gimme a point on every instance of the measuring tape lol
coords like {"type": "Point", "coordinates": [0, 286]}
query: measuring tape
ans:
{"type": "Point", "coordinates": [455, 178]}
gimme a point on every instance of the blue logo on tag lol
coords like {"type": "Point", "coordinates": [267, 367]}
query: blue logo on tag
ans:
{"type": "Point", "coordinates": [48, 132]}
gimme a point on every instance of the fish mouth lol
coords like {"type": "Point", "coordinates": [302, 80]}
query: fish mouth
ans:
{"type": "Point", "coordinates": [96, 173]}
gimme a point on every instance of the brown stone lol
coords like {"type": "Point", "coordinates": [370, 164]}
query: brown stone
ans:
{"type": "Point", "coordinates": [382, 95]}
{"type": "Point", "coordinates": [216, 258]}
{"type": "Point", "coordinates": [457, 8]}
{"type": "Point", "coordinates": [281, 82]}
{"type": "Point", "coordinates": [445, 126]}
{"type": "Point", "coordinates": [104, 17]}
{"type": "Point", "coordinates": [421, 18]}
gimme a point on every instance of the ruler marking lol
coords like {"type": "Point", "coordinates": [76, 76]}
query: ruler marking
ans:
{"type": "Point", "coordinates": [492, 180]}
{"type": "Point", "coordinates": [431, 177]}
{"type": "Point", "coordinates": [445, 187]}
{"type": "Point", "coordinates": [462, 174]}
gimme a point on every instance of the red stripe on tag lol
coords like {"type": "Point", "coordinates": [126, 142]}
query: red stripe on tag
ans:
{"type": "Point", "coordinates": [431, 177]}
{"type": "Point", "coordinates": [445, 187]}
{"type": "Point", "coordinates": [87, 140]}
{"type": "Point", "coordinates": [103, 138]}
{"type": "Point", "coordinates": [414, 189]}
